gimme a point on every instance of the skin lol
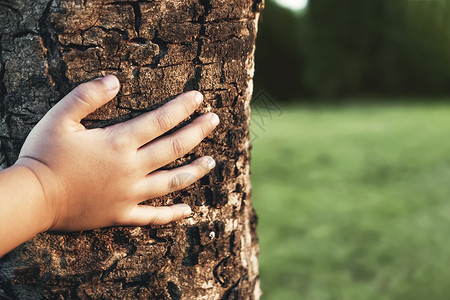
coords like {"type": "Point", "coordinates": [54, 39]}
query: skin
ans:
{"type": "Point", "coordinates": [69, 178]}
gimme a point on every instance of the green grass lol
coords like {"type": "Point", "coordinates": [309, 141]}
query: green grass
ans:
{"type": "Point", "coordinates": [354, 202]}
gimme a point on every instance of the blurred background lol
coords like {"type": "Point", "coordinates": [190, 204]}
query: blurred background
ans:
{"type": "Point", "coordinates": [351, 149]}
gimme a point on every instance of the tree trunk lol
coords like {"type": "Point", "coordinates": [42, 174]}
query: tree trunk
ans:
{"type": "Point", "coordinates": [157, 49]}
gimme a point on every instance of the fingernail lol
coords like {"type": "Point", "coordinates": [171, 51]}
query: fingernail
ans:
{"type": "Point", "coordinates": [187, 212]}
{"type": "Point", "coordinates": [211, 162]}
{"type": "Point", "coordinates": [111, 82]}
{"type": "Point", "coordinates": [214, 119]}
{"type": "Point", "coordinates": [198, 97]}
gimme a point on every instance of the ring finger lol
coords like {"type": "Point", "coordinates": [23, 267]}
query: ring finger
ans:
{"type": "Point", "coordinates": [163, 182]}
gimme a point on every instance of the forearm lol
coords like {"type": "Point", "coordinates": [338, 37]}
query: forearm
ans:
{"type": "Point", "coordinates": [23, 212]}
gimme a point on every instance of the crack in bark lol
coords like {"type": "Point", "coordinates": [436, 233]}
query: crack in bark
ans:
{"type": "Point", "coordinates": [139, 41]}
{"type": "Point", "coordinates": [24, 33]}
{"type": "Point", "coordinates": [57, 69]}
{"type": "Point", "coordinates": [193, 83]}
{"type": "Point", "coordinates": [163, 49]}
{"type": "Point", "coordinates": [223, 282]}
{"type": "Point", "coordinates": [195, 246]}
{"type": "Point", "coordinates": [137, 16]}
{"type": "Point", "coordinates": [207, 6]}
{"type": "Point", "coordinates": [174, 291]}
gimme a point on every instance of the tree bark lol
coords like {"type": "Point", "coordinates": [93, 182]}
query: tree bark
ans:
{"type": "Point", "coordinates": [157, 49]}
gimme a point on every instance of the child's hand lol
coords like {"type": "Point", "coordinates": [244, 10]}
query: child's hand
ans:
{"type": "Point", "coordinates": [96, 178]}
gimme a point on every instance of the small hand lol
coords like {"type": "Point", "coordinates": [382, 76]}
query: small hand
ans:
{"type": "Point", "coordinates": [94, 178]}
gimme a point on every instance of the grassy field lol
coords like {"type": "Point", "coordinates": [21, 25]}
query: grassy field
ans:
{"type": "Point", "coordinates": [354, 202]}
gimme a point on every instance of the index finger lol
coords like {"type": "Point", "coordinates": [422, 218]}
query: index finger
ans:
{"type": "Point", "coordinates": [151, 125]}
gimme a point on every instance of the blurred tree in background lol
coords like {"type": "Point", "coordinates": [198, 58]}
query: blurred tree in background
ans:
{"type": "Point", "coordinates": [352, 48]}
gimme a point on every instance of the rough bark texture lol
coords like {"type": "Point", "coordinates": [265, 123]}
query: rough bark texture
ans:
{"type": "Point", "coordinates": [158, 49]}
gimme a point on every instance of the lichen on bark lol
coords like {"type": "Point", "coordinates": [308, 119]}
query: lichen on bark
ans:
{"type": "Point", "coordinates": [157, 49]}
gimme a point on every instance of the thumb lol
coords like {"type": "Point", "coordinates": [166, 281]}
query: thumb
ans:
{"type": "Point", "coordinates": [86, 98]}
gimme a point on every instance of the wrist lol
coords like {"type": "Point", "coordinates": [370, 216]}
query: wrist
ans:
{"type": "Point", "coordinates": [38, 193]}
